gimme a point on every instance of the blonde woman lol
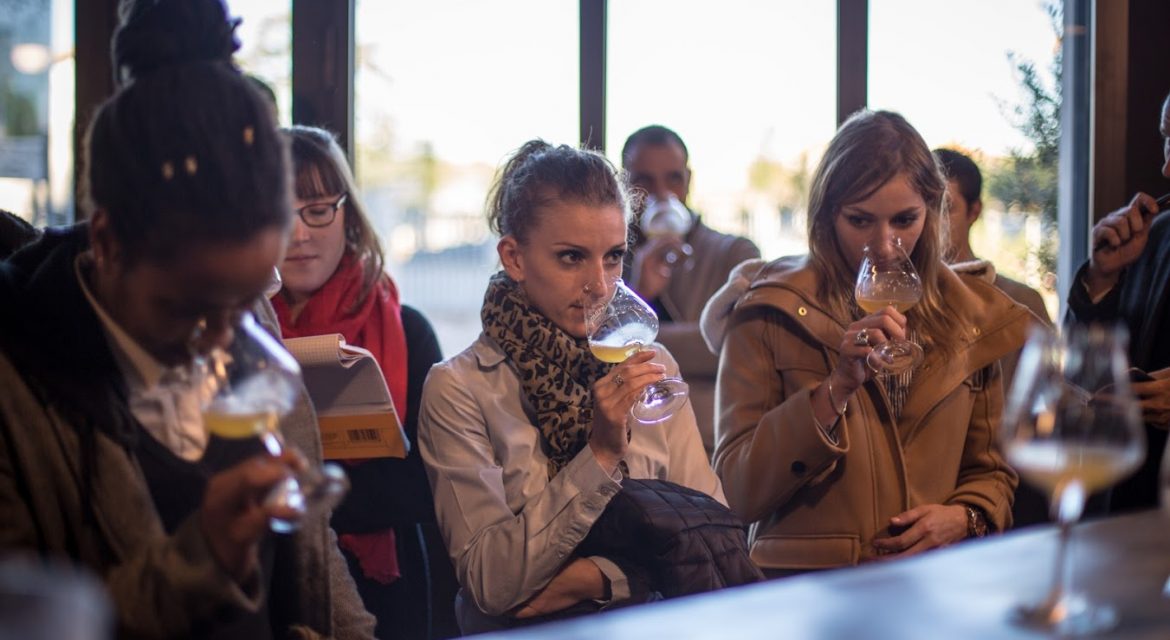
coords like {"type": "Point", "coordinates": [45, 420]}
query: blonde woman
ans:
{"type": "Point", "coordinates": [833, 465]}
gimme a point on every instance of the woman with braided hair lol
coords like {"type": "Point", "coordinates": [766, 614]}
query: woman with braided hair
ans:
{"type": "Point", "coordinates": [104, 458]}
{"type": "Point", "coordinates": [525, 435]}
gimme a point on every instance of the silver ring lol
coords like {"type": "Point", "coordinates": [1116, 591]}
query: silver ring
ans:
{"type": "Point", "coordinates": [861, 339]}
{"type": "Point", "coordinates": [618, 380]}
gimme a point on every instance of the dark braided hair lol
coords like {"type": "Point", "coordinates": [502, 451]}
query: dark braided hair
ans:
{"type": "Point", "coordinates": [187, 151]}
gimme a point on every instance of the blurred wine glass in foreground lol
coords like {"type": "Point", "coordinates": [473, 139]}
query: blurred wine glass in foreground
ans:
{"type": "Point", "coordinates": [247, 387]}
{"type": "Point", "coordinates": [1072, 427]}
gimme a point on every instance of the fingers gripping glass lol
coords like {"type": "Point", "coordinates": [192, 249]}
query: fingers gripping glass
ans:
{"type": "Point", "coordinates": [887, 278]}
{"type": "Point", "coordinates": [321, 214]}
{"type": "Point", "coordinates": [618, 324]}
{"type": "Point", "coordinates": [1072, 427]}
{"type": "Point", "coordinates": [246, 388]}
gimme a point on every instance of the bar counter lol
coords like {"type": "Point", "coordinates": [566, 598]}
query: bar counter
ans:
{"type": "Point", "coordinates": [965, 591]}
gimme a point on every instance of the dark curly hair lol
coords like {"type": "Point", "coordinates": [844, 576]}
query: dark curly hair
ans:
{"type": "Point", "coordinates": [186, 151]}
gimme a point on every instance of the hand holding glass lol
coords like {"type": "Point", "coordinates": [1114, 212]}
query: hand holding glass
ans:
{"type": "Point", "coordinates": [887, 278]}
{"type": "Point", "coordinates": [247, 387]}
{"type": "Point", "coordinates": [618, 324]}
{"type": "Point", "coordinates": [1072, 427]}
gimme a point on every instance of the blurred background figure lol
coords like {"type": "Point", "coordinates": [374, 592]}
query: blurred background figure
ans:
{"type": "Point", "coordinates": [334, 282]}
{"type": "Point", "coordinates": [1127, 280]}
{"type": "Point", "coordinates": [676, 266]}
{"type": "Point", "coordinates": [964, 206]}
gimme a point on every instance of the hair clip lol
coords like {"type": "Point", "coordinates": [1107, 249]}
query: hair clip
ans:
{"type": "Point", "coordinates": [191, 166]}
{"type": "Point", "coordinates": [249, 136]}
{"type": "Point", "coordinates": [168, 170]}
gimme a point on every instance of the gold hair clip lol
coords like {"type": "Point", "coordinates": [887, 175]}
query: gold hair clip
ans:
{"type": "Point", "coordinates": [249, 136]}
{"type": "Point", "coordinates": [168, 170]}
{"type": "Point", "coordinates": [191, 166]}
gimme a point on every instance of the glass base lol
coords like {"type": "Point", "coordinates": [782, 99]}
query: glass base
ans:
{"type": "Point", "coordinates": [286, 495]}
{"type": "Point", "coordinates": [1071, 615]}
{"type": "Point", "coordinates": [894, 357]}
{"type": "Point", "coordinates": [660, 401]}
{"type": "Point", "coordinates": [308, 494]}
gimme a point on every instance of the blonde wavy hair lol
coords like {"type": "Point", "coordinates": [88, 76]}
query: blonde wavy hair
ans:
{"type": "Point", "coordinates": [870, 149]}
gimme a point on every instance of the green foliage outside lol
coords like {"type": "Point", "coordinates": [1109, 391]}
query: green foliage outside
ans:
{"type": "Point", "coordinates": [1026, 182]}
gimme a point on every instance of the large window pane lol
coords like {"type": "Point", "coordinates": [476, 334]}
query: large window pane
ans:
{"type": "Point", "coordinates": [36, 110]}
{"type": "Point", "coordinates": [445, 90]}
{"type": "Point", "coordinates": [952, 69]}
{"type": "Point", "coordinates": [265, 53]}
{"type": "Point", "coordinates": [749, 86]}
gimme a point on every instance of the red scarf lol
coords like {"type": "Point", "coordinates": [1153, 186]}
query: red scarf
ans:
{"type": "Point", "coordinates": [375, 325]}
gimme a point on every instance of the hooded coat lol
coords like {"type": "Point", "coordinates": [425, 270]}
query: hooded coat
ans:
{"type": "Point", "coordinates": [816, 504]}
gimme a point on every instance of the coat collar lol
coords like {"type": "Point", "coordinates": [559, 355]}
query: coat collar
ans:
{"type": "Point", "coordinates": [487, 352]}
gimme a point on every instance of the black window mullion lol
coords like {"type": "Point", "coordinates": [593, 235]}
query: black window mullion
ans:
{"type": "Point", "coordinates": [852, 56]}
{"type": "Point", "coordinates": [323, 67]}
{"type": "Point", "coordinates": [593, 54]}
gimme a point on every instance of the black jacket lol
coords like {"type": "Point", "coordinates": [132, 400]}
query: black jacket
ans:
{"type": "Point", "coordinates": [677, 540]}
{"type": "Point", "coordinates": [1139, 300]}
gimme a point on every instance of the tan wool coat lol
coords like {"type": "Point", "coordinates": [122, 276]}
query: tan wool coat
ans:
{"type": "Point", "coordinates": [814, 504]}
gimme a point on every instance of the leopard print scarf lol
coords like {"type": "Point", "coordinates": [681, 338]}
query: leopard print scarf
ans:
{"type": "Point", "coordinates": [556, 370]}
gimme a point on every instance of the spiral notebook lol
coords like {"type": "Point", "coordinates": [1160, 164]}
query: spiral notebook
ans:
{"type": "Point", "coordinates": [355, 412]}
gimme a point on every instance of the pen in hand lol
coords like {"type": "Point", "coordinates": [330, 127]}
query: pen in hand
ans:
{"type": "Point", "coordinates": [1162, 202]}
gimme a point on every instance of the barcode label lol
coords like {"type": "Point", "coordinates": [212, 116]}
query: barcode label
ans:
{"type": "Point", "coordinates": [361, 436]}
{"type": "Point", "coordinates": [364, 435]}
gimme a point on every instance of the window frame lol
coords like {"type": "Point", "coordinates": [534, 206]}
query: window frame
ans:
{"type": "Point", "coordinates": [323, 66]}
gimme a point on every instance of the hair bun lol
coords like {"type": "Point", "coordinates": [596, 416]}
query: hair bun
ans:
{"type": "Point", "coordinates": [154, 34]}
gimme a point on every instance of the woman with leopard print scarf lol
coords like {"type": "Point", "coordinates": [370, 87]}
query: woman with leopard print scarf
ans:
{"type": "Point", "coordinates": [525, 435]}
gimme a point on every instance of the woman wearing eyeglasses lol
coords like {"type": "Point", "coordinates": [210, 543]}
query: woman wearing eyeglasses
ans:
{"type": "Point", "coordinates": [333, 282]}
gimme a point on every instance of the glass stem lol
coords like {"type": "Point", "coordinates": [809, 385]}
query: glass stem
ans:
{"type": "Point", "coordinates": [272, 443]}
{"type": "Point", "coordinates": [1068, 502]}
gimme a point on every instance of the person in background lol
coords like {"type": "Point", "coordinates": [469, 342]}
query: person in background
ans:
{"type": "Point", "coordinates": [676, 285]}
{"type": "Point", "coordinates": [104, 458]}
{"type": "Point", "coordinates": [833, 465]}
{"type": "Point", "coordinates": [526, 436]}
{"type": "Point", "coordinates": [964, 206]}
{"type": "Point", "coordinates": [1127, 280]}
{"type": "Point", "coordinates": [334, 282]}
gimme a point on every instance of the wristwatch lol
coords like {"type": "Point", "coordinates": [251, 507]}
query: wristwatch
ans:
{"type": "Point", "coordinates": [976, 522]}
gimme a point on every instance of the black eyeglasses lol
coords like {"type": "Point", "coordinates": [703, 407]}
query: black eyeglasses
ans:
{"type": "Point", "coordinates": [321, 215]}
